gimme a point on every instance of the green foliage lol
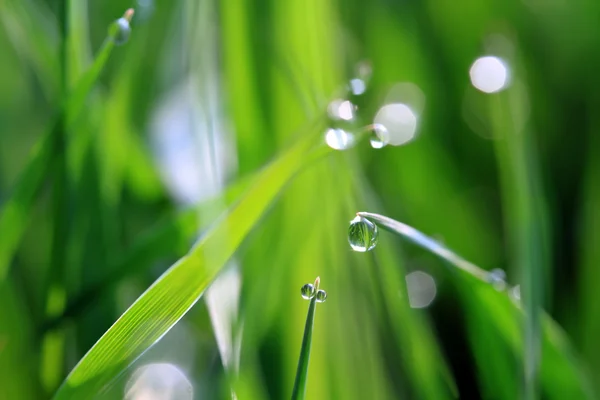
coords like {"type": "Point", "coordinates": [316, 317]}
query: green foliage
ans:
{"type": "Point", "coordinates": [138, 181]}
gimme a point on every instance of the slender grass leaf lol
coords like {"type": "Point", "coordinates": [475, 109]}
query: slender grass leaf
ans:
{"type": "Point", "coordinates": [178, 289]}
{"type": "Point", "coordinates": [170, 236]}
{"type": "Point", "coordinates": [17, 208]}
{"type": "Point", "coordinates": [17, 359]}
{"type": "Point", "coordinates": [561, 374]}
{"type": "Point", "coordinates": [299, 390]}
{"type": "Point", "coordinates": [525, 219]}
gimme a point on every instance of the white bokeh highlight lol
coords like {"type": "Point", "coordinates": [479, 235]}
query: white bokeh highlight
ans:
{"type": "Point", "coordinates": [357, 86]}
{"type": "Point", "coordinates": [339, 139]}
{"type": "Point", "coordinates": [161, 381]}
{"type": "Point", "coordinates": [421, 289]}
{"type": "Point", "coordinates": [489, 74]}
{"type": "Point", "coordinates": [400, 121]}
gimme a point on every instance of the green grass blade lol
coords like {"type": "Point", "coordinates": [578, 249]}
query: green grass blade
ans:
{"type": "Point", "coordinates": [526, 220]}
{"type": "Point", "coordinates": [561, 374]}
{"type": "Point", "coordinates": [178, 289]}
{"type": "Point", "coordinates": [15, 212]}
{"type": "Point", "coordinates": [302, 372]}
{"type": "Point", "coordinates": [32, 30]}
{"type": "Point", "coordinates": [427, 243]}
{"type": "Point", "coordinates": [168, 237]}
{"type": "Point", "coordinates": [17, 355]}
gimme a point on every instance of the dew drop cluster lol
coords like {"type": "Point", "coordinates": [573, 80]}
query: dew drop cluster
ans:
{"type": "Point", "coordinates": [308, 291]}
{"type": "Point", "coordinates": [344, 116]}
{"type": "Point", "coordinates": [395, 122]}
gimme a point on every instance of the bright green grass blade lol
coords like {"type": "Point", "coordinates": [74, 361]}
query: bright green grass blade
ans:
{"type": "Point", "coordinates": [299, 390]}
{"type": "Point", "coordinates": [561, 374]}
{"type": "Point", "coordinates": [17, 208]}
{"type": "Point", "coordinates": [17, 358]}
{"type": "Point", "coordinates": [178, 289]}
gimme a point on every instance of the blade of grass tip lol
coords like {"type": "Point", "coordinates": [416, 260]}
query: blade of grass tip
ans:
{"type": "Point", "coordinates": [302, 371]}
{"type": "Point", "coordinates": [16, 209]}
{"type": "Point", "coordinates": [427, 243]}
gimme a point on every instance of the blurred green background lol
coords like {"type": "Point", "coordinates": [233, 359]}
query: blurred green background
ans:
{"type": "Point", "coordinates": [103, 189]}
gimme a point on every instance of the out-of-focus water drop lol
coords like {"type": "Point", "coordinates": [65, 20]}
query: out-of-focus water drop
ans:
{"type": "Point", "coordinates": [339, 139]}
{"type": "Point", "coordinates": [160, 381]}
{"type": "Point", "coordinates": [399, 120]}
{"type": "Point", "coordinates": [321, 296]}
{"type": "Point", "coordinates": [123, 31]}
{"type": "Point", "coordinates": [144, 10]}
{"type": "Point", "coordinates": [362, 234]}
{"type": "Point", "coordinates": [489, 74]}
{"type": "Point", "coordinates": [340, 109]}
{"type": "Point", "coordinates": [357, 86]}
{"type": "Point", "coordinates": [421, 289]}
{"type": "Point", "coordinates": [497, 277]}
{"type": "Point", "coordinates": [307, 291]}
{"type": "Point", "coordinates": [379, 136]}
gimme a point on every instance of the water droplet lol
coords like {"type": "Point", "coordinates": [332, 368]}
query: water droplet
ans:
{"type": "Point", "coordinates": [123, 31]}
{"type": "Point", "coordinates": [399, 120]}
{"type": "Point", "coordinates": [497, 277]}
{"type": "Point", "coordinates": [380, 136]}
{"type": "Point", "coordinates": [321, 296]}
{"type": "Point", "coordinates": [339, 139]}
{"type": "Point", "coordinates": [340, 109]}
{"type": "Point", "coordinates": [362, 234]}
{"type": "Point", "coordinates": [357, 86]}
{"type": "Point", "coordinates": [308, 291]}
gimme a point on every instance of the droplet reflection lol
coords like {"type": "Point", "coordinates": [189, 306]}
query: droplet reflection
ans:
{"type": "Point", "coordinates": [399, 120]}
{"type": "Point", "coordinates": [497, 277]}
{"type": "Point", "coordinates": [321, 296]}
{"type": "Point", "coordinates": [362, 234]}
{"type": "Point", "coordinates": [308, 291]}
{"type": "Point", "coordinates": [357, 86]}
{"type": "Point", "coordinates": [380, 136]}
{"type": "Point", "coordinates": [339, 139]}
{"type": "Point", "coordinates": [340, 109]}
{"type": "Point", "coordinates": [489, 74]}
{"type": "Point", "coordinates": [123, 31]}
{"type": "Point", "coordinates": [421, 289]}
{"type": "Point", "coordinates": [158, 382]}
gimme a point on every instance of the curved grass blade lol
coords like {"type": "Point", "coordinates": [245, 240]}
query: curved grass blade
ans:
{"type": "Point", "coordinates": [561, 374]}
{"type": "Point", "coordinates": [156, 311]}
{"type": "Point", "coordinates": [302, 372]}
{"type": "Point", "coordinates": [15, 212]}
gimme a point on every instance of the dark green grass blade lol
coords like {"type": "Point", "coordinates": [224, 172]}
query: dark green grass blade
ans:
{"type": "Point", "coordinates": [15, 212]}
{"type": "Point", "coordinates": [526, 220]}
{"type": "Point", "coordinates": [561, 374]}
{"type": "Point", "coordinates": [156, 311]}
{"type": "Point", "coordinates": [168, 237]}
{"type": "Point", "coordinates": [299, 390]}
